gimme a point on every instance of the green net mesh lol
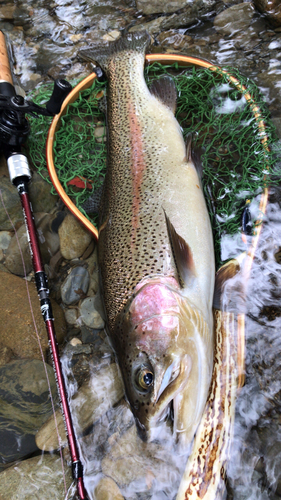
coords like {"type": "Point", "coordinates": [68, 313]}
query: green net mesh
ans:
{"type": "Point", "coordinates": [236, 166]}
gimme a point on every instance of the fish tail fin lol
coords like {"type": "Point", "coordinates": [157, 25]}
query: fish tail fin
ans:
{"type": "Point", "coordinates": [135, 42]}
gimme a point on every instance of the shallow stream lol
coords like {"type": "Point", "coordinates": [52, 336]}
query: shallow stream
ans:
{"type": "Point", "coordinates": [46, 38]}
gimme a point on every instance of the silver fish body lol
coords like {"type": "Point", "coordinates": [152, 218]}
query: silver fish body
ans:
{"type": "Point", "coordinates": [156, 252]}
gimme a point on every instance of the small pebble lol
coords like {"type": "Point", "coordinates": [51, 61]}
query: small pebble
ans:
{"type": "Point", "coordinates": [89, 315]}
{"type": "Point", "coordinates": [111, 36]}
{"type": "Point", "coordinates": [75, 341]}
{"type": "Point", "coordinates": [5, 238]}
{"type": "Point", "coordinates": [70, 316]}
{"type": "Point", "coordinates": [75, 285]}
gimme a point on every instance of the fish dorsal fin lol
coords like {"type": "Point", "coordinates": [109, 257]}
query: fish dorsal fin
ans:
{"type": "Point", "coordinates": [165, 90]}
{"type": "Point", "coordinates": [182, 255]}
{"type": "Point", "coordinates": [225, 272]}
{"type": "Point", "coordinates": [194, 155]}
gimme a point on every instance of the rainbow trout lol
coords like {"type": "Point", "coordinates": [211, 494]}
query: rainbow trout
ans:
{"type": "Point", "coordinates": [156, 253]}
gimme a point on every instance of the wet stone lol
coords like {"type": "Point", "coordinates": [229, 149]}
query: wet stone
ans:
{"type": "Point", "coordinates": [107, 489]}
{"type": "Point", "coordinates": [5, 239]}
{"type": "Point", "coordinates": [7, 11]}
{"type": "Point", "coordinates": [235, 18]}
{"type": "Point", "coordinates": [12, 204]}
{"type": "Point", "coordinates": [25, 405]}
{"type": "Point", "coordinates": [189, 15]}
{"type": "Point", "coordinates": [89, 315]}
{"type": "Point", "coordinates": [271, 9]}
{"type": "Point", "coordinates": [37, 478]}
{"type": "Point", "coordinates": [160, 6]}
{"type": "Point", "coordinates": [6, 355]}
{"type": "Point", "coordinates": [151, 27]}
{"type": "Point", "coordinates": [17, 327]}
{"type": "Point", "coordinates": [89, 404]}
{"type": "Point", "coordinates": [18, 259]}
{"type": "Point", "coordinates": [41, 198]}
{"type": "Point", "coordinates": [131, 460]}
{"type": "Point", "coordinates": [75, 285]}
{"type": "Point", "coordinates": [76, 349]}
{"type": "Point", "coordinates": [74, 238]}
{"type": "Point", "coordinates": [19, 245]}
{"type": "Point", "coordinates": [70, 316]}
{"type": "Point", "coordinates": [90, 336]}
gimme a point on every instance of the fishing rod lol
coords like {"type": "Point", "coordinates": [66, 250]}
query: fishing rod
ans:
{"type": "Point", "coordinates": [14, 129]}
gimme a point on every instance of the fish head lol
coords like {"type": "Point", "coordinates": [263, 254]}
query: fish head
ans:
{"type": "Point", "coordinates": [155, 353]}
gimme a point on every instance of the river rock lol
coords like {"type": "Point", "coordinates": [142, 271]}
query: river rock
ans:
{"type": "Point", "coordinates": [74, 238]}
{"type": "Point", "coordinates": [47, 437]}
{"type": "Point", "coordinates": [6, 355]}
{"type": "Point", "coordinates": [234, 19]}
{"type": "Point", "coordinates": [71, 316]}
{"type": "Point", "coordinates": [160, 6]}
{"type": "Point", "coordinates": [37, 478]}
{"type": "Point", "coordinates": [271, 9]}
{"type": "Point", "coordinates": [12, 205]}
{"type": "Point", "coordinates": [25, 406]}
{"type": "Point", "coordinates": [191, 14]}
{"type": "Point", "coordinates": [75, 285]}
{"type": "Point", "coordinates": [17, 328]}
{"type": "Point", "coordinates": [19, 245]}
{"type": "Point", "coordinates": [107, 489]}
{"type": "Point", "coordinates": [151, 27]}
{"type": "Point", "coordinates": [5, 239]}
{"type": "Point", "coordinates": [92, 400]}
{"type": "Point", "coordinates": [47, 232]}
{"type": "Point", "coordinates": [89, 315]}
{"type": "Point", "coordinates": [41, 198]}
{"type": "Point", "coordinates": [131, 459]}
{"type": "Point", "coordinates": [7, 11]}
{"type": "Point", "coordinates": [18, 259]}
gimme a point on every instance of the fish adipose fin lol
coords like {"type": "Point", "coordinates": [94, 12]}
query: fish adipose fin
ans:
{"type": "Point", "coordinates": [165, 90]}
{"type": "Point", "coordinates": [182, 255]}
{"type": "Point", "coordinates": [137, 42]}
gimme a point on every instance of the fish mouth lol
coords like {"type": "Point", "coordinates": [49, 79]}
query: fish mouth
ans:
{"type": "Point", "coordinates": [170, 384]}
{"type": "Point", "coordinates": [173, 381]}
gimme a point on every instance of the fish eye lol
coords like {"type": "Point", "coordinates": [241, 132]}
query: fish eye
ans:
{"type": "Point", "coordinates": [144, 378]}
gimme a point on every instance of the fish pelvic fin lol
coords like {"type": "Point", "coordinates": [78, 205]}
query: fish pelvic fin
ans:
{"type": "Point", "coordinates": [194, 155]}
{"type": "Point", "coordinates": [225, 272]}
{"type": "Point", "coordinates": [182, 255]}
{"type": "Point", "coordinates": [165, 90]}
{"type": "Point", "coordinates": [136, 42]}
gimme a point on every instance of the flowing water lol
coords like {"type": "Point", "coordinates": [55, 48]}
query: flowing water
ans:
{"type": "Point", "coordinates": [46, 38]}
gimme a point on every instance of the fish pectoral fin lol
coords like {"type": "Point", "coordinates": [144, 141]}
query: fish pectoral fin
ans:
{"type": "Point", "coordinates": [225, 272]}
{"type": "Point", "coordinates": [182, 254]}
{"type": "Point", "coordinates": [165, 90]}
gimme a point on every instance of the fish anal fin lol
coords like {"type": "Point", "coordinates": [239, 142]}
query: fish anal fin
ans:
{"type": "Point", "coordinates": [165, 90]}
{"type": "Point", "coordinates": [182, 255]}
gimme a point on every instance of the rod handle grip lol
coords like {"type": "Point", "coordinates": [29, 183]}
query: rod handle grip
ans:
{"type": "Point", "coordinates": [5, 70]}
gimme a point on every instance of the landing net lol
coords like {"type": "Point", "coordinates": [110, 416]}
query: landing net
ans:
{"type": "Point", "coordinates": [236, 164]}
